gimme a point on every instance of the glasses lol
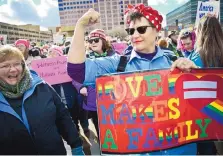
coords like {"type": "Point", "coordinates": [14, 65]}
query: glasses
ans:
{"type": "Point", "coordinates": [141, 29]}
{"type": "Point", "coordinates": [8, 67]}
{"type": "Point", "coordinates": [96, 40]}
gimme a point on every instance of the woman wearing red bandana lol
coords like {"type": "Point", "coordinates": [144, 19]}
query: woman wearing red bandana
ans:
{"type": "Point", "coordinates": [144, 26]}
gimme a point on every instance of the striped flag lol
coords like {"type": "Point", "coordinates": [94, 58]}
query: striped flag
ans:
{"type": "Point", "coordinates": [200, 89]}
{"type": "Point", "coordinates": [214, 110]}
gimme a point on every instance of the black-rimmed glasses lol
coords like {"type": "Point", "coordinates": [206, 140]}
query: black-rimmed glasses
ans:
{"type": "Point", "coordinates": [96, 40]}
{"type": "Point", "coordinates": [141, 29]}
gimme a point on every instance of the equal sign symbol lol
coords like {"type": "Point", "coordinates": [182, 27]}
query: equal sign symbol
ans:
{"type": "Point", "coordinates": [200, 89]}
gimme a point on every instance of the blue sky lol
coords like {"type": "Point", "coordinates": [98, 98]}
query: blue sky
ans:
{"type": "Point", "coordinates": [45, 12]}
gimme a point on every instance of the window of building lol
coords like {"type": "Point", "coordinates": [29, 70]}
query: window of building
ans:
{"type": "Point", "coordinates": [60, 9]}
{"type": "Point", "coordinates": [67, 3]}
{"type": "Point", "coordinates": [64, 4]}
{"type": "Point", "coordinates": [60, 0]}
{"type": "Point", "coordinates": [80, 2]}
{"type": "Point", "coordinates": [77, 2]}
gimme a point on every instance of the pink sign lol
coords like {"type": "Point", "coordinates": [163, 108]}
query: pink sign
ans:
{"type": "Point", "coordinates": [119, 47]}
{"type": "Point", "coordinates": [52, 70]}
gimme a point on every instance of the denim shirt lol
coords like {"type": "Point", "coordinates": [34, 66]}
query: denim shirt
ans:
{"type": "Point", "coordinates": [108, 65]}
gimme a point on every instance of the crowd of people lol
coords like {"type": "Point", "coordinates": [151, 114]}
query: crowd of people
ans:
{"type": "Point", "coordinates": [36, 116]}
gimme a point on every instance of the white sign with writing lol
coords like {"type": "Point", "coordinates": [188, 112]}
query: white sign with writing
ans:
{"type": "Point", "coordinates": [207, 8]}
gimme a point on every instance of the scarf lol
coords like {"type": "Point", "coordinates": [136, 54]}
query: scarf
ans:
{"type": "Point", "coordinates": [93, 55]}
{"type": "Point", "coordinates": [100, 55]}
{"type": "Point", "coordinates": [16, 91]}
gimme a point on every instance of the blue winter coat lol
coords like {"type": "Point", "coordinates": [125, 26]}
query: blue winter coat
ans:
{"type": "Point", "coordinates": [44, 120]}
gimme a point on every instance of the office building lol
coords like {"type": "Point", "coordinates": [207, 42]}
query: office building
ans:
{"type": "Point", "coordinates": [186, 14]}
{"type": "Point", "coordinates": [111, 11]}
{"type": "Point", "coordinates": [29, 32]}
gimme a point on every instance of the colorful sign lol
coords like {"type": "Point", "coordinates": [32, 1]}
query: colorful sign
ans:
{"type": "Point", "coordinates": [52, 70]}
{"type": "Point", "coordinates": [119, 47]}
{"type": "Point", "coordinates": [207, 8]}
{"type": "Point", "coordinates": [149, 111]}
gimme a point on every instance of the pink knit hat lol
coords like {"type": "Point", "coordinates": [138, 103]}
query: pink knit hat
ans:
{"type": "Point", "coordinates": [98, 33]}
{"type": "Point", "coordinates": [57, 50]}
{"type": "Point", "coordinates": [22, 41]}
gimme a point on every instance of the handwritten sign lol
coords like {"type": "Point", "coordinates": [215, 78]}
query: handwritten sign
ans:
{"type": "Point", "coordinates": [119, 47]}
{"type": "Point", "coordinates": [155, 110]}
{"type": "Point", "coordinates": [205, 8]}
{"type": "Point", "coordinates": [52, 70]}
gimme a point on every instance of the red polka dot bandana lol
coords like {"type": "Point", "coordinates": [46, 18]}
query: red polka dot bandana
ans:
{"type": "Point", "coordinates": [148, 12]}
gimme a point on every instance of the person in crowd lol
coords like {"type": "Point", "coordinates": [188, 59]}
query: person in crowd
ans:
{"type": "Point", "coordinates": [162, 43]}
{"type": "Point", "coordinates": [99, 47]}
{"type": "Point", "coordinates": [29, 54]}
{"type": "Point", "coordinates": [32, 116]}
{"type": "Point", "coordinates": [144, 24]}
{"type": "Point", "coordinates": [66, 47]}
{"type": "Point", "coordinates": [23, 46]}
{"type": "Point", "coordinates": [34, 54]}
{"type": "Point", "coordinates": [186, 42]}
{"type": "Point", "coordinates": [1, 40]}
{"type": "Point", "coordinates": [33, 44]}
{"type": "Point", "coordinates": [55, 51]}
{"type": "Point", "coordinates": [70, 96]}
{"type": "Point", "coordinates": [172, 43]}
{"type": "Point", "coordinates": [209, 46]}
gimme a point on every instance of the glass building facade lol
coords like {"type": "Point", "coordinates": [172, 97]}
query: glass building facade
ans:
{"type": "Point", "coordinates": [186, 14]}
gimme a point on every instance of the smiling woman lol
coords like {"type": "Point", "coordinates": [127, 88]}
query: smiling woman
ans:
{"type": "Point", "coordinates": [13, 72]}
{"type": "Point", "coordinates": [32, 114]}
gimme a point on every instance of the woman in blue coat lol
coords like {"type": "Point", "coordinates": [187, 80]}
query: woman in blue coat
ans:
{"type": "Point", "coordinates": [33, 119]}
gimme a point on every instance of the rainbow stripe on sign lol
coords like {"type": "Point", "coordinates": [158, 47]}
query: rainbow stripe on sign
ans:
{"type": "Point", "coordinates": [215, 110]}
{"type": "Point", "coordinates": [171, 82]}
{"type": "Point", "coordinates": [99, 90]}
{"type": "Point", "coordinates": [168, 137]}
{"type": "Point", "coordinates": [108, 89]}
{"type": "Point", "coordinates": [148, 111]}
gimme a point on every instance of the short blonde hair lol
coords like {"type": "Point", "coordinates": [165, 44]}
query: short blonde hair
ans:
{"type": "Point", "coordinates": [7, 52]}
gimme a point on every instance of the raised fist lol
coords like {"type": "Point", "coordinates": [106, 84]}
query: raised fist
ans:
{"type": "Point", "coordinates": [89, 18]}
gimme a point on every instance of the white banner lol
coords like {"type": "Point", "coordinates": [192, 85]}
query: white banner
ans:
{"type": "Point", "coordinates": [205, 8]}
{"type": "Point", "coordinates": [58, 39]}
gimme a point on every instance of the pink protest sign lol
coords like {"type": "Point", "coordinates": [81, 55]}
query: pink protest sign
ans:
{"type": "Point", "coordinates": [52, 70]}
{"type": "Point", "coordinates": [119, 47]}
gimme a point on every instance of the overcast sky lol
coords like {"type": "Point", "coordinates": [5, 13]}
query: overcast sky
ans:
{"type": "Point", "coordinates": [45, 12]}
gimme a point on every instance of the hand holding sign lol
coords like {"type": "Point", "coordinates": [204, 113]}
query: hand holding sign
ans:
{"type": "Point", "coordinates": [183, 64]}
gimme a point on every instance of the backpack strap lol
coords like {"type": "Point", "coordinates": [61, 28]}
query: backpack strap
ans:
{"type": "Point", "coordinates": [122, 63]}
{"type": "Point", "coordinates": [170, 54]}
